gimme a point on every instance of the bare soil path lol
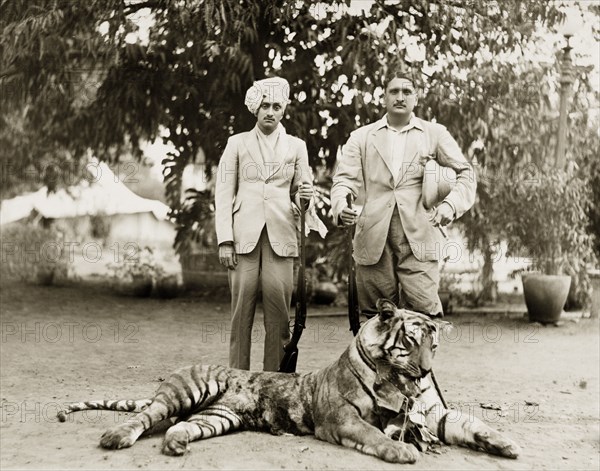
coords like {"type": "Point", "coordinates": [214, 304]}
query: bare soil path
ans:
{"type": "Point", "coordinates": [62, 344]}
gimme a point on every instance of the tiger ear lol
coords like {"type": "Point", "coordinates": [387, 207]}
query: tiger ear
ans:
{"type": "Point", "coordinates": [442, 325]}
{"type": "Point", "coordinates": [386, 308]}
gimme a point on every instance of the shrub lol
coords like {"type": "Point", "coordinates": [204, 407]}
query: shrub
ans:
{"type": "Point", "coordinates": [546, 219]}
{"type": "Point", "coordinates": [140, 274]}
{"type": "Point", "coordinates": [167, 286]}
{"type": "Point", "coordinates": [140, 265]}
{"type": "Point", "coordinates": [34, 254]}
{"type": "Point", "coordinates": [100, 226]}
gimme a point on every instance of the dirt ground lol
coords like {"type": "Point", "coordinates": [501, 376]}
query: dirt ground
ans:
{"type": "Point", "coordinates": [62, 344]}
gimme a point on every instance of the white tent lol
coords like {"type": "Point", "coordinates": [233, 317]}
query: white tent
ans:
{"type": "Point", "coordinates": [100, 194]}
{"type": "Point", "coordinates": [130, 220]}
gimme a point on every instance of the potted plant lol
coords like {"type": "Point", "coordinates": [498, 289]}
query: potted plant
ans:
{"type": "Point", "coordinates": [324, 290]}
{"type": "Point", "coordinates": [593, 167]}
{"type": "Point", "coordinates": [546, 220]}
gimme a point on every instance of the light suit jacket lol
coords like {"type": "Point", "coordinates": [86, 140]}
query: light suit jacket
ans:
{"type": "Point", "coordinates": [365, 170]}
{"type": "Point", "coordinates": [251, 193]}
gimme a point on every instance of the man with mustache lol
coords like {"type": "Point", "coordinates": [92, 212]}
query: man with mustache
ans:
{"type": "Point", "coordinates": [262, 174]}
{"type": "Point", "coordinates": [397, 245]}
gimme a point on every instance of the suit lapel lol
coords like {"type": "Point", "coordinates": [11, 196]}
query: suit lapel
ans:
{"type": "Point", "coordinates": [251, 142]}
{"type": "Point", "coordinates": [381, 144]}
{"type": "Point", "coordinates": [282, 149]}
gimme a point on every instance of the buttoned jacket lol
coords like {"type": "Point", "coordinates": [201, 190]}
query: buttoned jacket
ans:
{"type": "Point", "coordinates": [251, 193]}
{"type": "Point", "coordinates": [364, 169]}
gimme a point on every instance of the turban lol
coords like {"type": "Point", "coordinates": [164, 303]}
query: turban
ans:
{"type": "Point", "coordinates": [274, 90]}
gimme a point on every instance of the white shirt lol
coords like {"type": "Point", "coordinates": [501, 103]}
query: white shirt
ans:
{"type": "Point", "coordinates": [396, 141]}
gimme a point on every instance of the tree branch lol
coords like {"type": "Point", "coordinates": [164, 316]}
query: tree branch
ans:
{"type": "Point", "coordinates": [133, 7]}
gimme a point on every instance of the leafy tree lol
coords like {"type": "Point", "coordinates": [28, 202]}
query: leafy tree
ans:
{"type": "Point", "coordinates": [191, 73]}
{"type": "Point", "coordinates": [80, 76]}
{"type": "Point", "coordinates": [518, 144]}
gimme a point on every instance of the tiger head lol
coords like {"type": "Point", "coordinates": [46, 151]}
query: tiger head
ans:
{"type": "Point", "coordinates": [399, 345]}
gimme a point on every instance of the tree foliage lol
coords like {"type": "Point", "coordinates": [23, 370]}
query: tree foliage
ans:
{"type": "Point", "coordinates": [82, 76]}
{"type": "Point", "coordinates": [82, 80]}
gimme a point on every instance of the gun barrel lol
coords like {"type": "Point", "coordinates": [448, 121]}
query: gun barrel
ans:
{"type": "Point", "coordinates": [290, 357]}
{"type": "Point", "coordinates": [353, 309]}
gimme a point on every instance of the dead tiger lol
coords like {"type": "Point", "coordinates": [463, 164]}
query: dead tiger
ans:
{"type": "Point", "coordinates": [374, 398]}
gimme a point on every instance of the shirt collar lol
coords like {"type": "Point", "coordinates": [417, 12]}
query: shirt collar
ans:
{"type": "Point", "coordinates": [413, 122]}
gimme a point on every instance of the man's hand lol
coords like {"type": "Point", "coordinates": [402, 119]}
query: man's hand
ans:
{"type": "Point", "coordinates": [227, 255]}
{"type": "Point", "coordinates": [305, 191]}
{"type": "Point", "coordinates": [348, 216]}
{"type": "Point", "coordinates": [443, 215]}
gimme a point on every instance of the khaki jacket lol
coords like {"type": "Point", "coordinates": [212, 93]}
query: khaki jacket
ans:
{"type": "Point", "coordinates": [365, 170]}
{"type": "Point", "coordinates": [251, 193]}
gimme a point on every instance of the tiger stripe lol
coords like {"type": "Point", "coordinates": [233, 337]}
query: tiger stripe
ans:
{"type": "Point", "coordinates": [123, 405]}
{"type": "Point", "coordinates": [375, 397]}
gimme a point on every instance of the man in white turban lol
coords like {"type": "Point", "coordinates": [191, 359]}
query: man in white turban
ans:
{"type": "Point", "coordinates": [275, 89]}
{"type": "Point", "coordinates": [263, 177]}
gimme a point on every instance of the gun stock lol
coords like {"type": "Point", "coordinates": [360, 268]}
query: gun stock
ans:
{"type": "Point", "coordinates": [289, 360]}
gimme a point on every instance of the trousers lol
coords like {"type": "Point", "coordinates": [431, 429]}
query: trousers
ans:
{"type": "Point", "coordinates": [399, 277]}
{"type": "Point", "coordinates": [275, 276]}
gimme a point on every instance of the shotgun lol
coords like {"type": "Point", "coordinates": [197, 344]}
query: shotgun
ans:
{"type": "Point", "coordinates": [353, 309]}
{"type": "Point", "coordinates": [290, 356]}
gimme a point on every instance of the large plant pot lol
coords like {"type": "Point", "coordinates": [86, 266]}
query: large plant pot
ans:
{"type": "Point", "coordinates": [545, 296]}
{"type": "Point", "coordinates": [325, 292]}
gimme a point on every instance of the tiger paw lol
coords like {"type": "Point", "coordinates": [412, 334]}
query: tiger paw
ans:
{"type": "Point", "coordinates": [117, 437]}
{"type": "Point", "coordinates": [175, 443]}
{"type": "Point", "coordinates": [497, 444]}
{"type": "Point", "coordinates": [398, 452]}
